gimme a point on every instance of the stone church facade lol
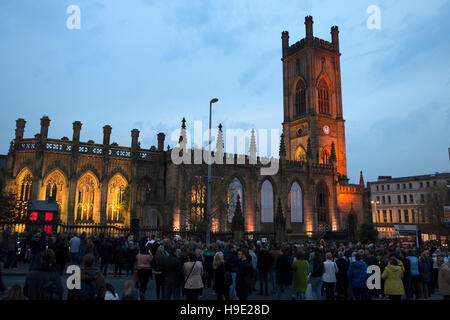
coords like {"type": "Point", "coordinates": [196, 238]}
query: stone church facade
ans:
{"type": "Point", "coordinates": [110, 185]}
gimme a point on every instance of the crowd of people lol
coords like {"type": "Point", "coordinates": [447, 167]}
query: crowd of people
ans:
{"type": "Point", "coordinates": [181, 268]}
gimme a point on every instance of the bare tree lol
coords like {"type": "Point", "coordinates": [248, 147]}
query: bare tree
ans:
{"type": "Point", "coordinates": [431, 207]}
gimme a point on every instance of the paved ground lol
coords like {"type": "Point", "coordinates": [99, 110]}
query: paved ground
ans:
{"type": "Point", "coordinates": [11, 277]}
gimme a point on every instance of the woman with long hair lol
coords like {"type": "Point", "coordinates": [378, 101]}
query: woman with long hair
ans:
{"type": "Point", "coordinates": [129, 292]}
{"type": "Point", "coordinates": [316, 271]}
{"type": "Point", "coordinates": [158, 272]}
{"type": "Point", "coordinates": [221, 284]}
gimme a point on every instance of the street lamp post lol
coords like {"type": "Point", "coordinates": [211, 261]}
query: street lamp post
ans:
{"type": "Point", "coordinates": [377, 219]}
{"type": "Point", "coordinates": [208, 190]}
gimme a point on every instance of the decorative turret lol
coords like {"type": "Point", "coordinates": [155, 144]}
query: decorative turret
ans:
{"type": "Point", "coordinates": [333, 155]}
{"type": "Point", "coordinates": [238, 222]}
{"type": "Point", "coordinates": [279, 223]}
{"type": "Point", "coordinates": [183, 131]}
{"type": "Point", "coordinates": [309, 29]}
{"type": "Point", "coordinates": [253, 156]}
{"type": "Point", "coordinates": [134, 138]}
{"type": "Point", "coordinates": [161, 138]}
{"type": "Point", "coordinates": [335, 37]}
{"type": "Point", "coordinates": [45, 123]}
{"type": "Point", "coordinates": [219, 142]}
{"type": "Point", "coordinates": [282, 152]}
{"type": "Point", "coordinates": [361, 180]}
{"type": "Point", "coordinates": [20, 128]}
{"type": "Point", "coordinates": [309, 154]}
{"type": "Point", "coordinates": [76, 131]}
{"type": "Point", "coordinates": [106, 135]}
{"type": "Point", "coordinates": [285, 43]}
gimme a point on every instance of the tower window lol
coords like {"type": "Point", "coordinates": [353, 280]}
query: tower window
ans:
{"type": "Point", "coordinates": [324, 101]}
{"type": "Point", "coordinates": [300, 98]}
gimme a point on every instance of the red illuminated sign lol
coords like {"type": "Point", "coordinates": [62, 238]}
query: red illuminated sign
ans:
{"type": "Point", "coordinates": [48, 216]}
{"type": "Point", "coordinates": [34, 216]}
{"type": "Point", "coordinates": [48, 229]}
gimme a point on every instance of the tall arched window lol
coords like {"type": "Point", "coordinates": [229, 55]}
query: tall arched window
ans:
{"type": "Point", "coordinates": [300, 98]}
{"type": "Point", "coordinates": [87, 186]}
{"type": "Point", "coordinates": [324, 100]}
{"type": "Point", "coordinates": [322, 203]}
{"type": "Point", "coordinates": [296, 203]}
{"type": "Point", "coordinates": [234, 189]}
{"type": "Point", "coordinates": [267, 202]}
{"type": "Point", "coordinates": [300, 154]}
{"type": "Point", "coordinates": [55, 186]}
{"type": "Point", "coordinates": [325, 155]}
{"type": "Point", "coordinates": [24, 181]}
{"type": "Point", "coordinates": [116, 207]}
{"type": "Point", "coordinates": [198, 201]}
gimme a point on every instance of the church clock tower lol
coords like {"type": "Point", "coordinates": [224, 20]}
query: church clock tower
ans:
{"type": "Point", "coordinates": [312, 98]}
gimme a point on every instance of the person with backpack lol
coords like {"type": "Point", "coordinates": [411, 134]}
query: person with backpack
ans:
{"type": "Point", "coordinates": [93, 286]}
{"type": "Point", "coordinates": [44, 283]}
{"type": "Point", "coordinates": [316, 271]}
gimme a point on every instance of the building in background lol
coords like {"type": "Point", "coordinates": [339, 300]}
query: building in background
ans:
{"type": "Point", "coordinates": [416, 200]}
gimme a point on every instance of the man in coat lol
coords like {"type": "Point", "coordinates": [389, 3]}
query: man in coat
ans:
{"type": "Point", "coordinates": [444, 277]}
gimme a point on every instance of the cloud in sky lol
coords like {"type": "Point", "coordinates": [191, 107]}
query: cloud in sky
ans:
{"type": "Point", "coordinates": [147, 63]}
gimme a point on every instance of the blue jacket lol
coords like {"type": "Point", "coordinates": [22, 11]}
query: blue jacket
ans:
{"type": "Point", "coordinates": [357, 274]}
{"type": "Point", "coordinates": [414, 265]}
{"type": "Point", "coordinates": [232, 262]}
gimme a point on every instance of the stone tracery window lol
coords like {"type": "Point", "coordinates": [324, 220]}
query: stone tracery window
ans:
{"type": "Point", "coordinates": [267, 202]}
{"type": "Point", "coordinates": [234, 189]}
{"type": "Point", "coordinates": [296, 203]}
{"type": "Point", "coordinates": [322, 204]}
{"type": "Point", "coordinates": [300, 98]}
{"type": "Point", "coordinates": [24, 182]}
{"type": "Point", "coordinates": [86, 189]}
{"type": "Point", "coordinates": [115, 208]}
{"type": "Point", "coordinates": [300, 154]}
{"type": "Point", "coordinates": [324, 99]}
{"type": "Point", "coordinates": [54, 187]}
{"type": "Point", "coordinates": [198, 201]}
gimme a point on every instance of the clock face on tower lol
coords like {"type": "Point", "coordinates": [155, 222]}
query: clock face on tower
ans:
{"type": "Point", "coordinates": [326, 129]}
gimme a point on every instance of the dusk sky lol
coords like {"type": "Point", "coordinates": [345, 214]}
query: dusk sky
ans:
{"type": "Point", "coordinates": [145, 64]}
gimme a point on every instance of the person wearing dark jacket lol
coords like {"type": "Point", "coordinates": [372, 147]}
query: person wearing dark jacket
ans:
{"type": "Point", "coordinates": [221, 286]}
{"type": "Point", "coordinates": [232, 264]}
{"type": "Point", "coordinates": [119, 259]}
{"type": "Point", "coordinates": [371, 260]}
{"type": "Point", "coordinates": [106, 255]}
{"type": "Point", "coordinates": [44, 283]}
{"type": "Point", "coordinates": [263, 266]}
{"type": "Point", "coordinates": [172, 270]}
{"type": "Point", "coordinates": [62, 253]}
{"type": "Point", "coordinates": [283, 273]}
{"type": "Point", "coordinates": [130, 258]}
{"type": "Point", "coordinates": [341, 277]}
{"type": "Point", "coordinates": [93, 286]}
{"type": "Point", "coordinates": [244, 275]}
{"type": "Point", "coordinates": [357, 276]}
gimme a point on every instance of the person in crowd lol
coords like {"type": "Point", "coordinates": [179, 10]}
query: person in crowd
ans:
{"type": "Point", "coordinates": [434, 273]}
{"type": "Point", "coordinates": [423, 276]}
{"type": "Point", "coordinates": [263, 266]}
{"type": "Point", "coordinates": [15, 293]}
{"type": "Point", "coordinates": [208, 257]}
{"type": "Point", "coordinates": [143, 261]}
{"type": "Point", "coordinates": [232, 264]}
{"type": "Point", "coordinates": [392, 276]}
{"type": "Point", "coordinates": [130, 292]}
{"type": "Point", "coordinates": [254, 258]}
{"type": "Point", "coordinates": [244, 275]}
{"type": "Point", "coordinates": [37, 246]}
{"type": "Point", "coordinates": [372, 260]}
{"type": "Point", "coordinates": [157, 269]}
{"type": "Point", "coordinates": [74, 244]}
{"type": "Point", "coordinates": [130, 258]}
{"type": "Point", "coordinates": [222, 277]}
{"type": "Point", "coordinates": [357, 276]}
{"type": "Point", "coordinates": [119, 258]}
{"type": "Point", "coordinates": [61, 253]}
{"type": "Point", "coordinates": [283, 274]}
{"type": "Point", "coordinates": [106, 254]}
{"type": "Point", "coordinates": [341, 277]}
{"type": "Point", "coordinates": [193, 273]}
{"type": "Point", "coordinates": [274, 254]}
{"type": "Point", "coordinates": [93, 285]}
{"type": "Point", "coordinates": [300, 268]}
{"type": "Point", "coordinates": [11, 250]}
{"type": "Point", "coordinates": [172, 269]}
{"type": "Point", "coordinates": [44, 283]}
{"type": "Point", "coordinates": [443, 276]}
{"type": "Point", "coordinates": [412, 275]}
{"type": "Point", "coordinates": [111, 293]}
{"type": "Point", "coordinates": [329, 276]}
{"type": "Point", "coordinates": [316, 270]}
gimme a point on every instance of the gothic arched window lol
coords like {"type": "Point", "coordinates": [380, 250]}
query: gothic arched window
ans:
{"type": "Point", "coordinates": [296, 203]}
{"type": "Point", "coordinates": [267, 202]}
{"type": "Point", "coordinates": [234, 189]}
{"type": "Point", "coordinates": [24, 182]}
{"type": "Point", "coordinates": [116, 206]}
{"type": "Point", "coordinates": [198, 202]}
{"type": "Point", "coordinates": [324, 98]}
{"type": "Point", "coordinates": [300, 98]}
{"type": "Point", "coordinates": [55, 185]}
{"type": "Point", "coordinates": [87, 186]}
{"type": "Point", "coordinates": [300, 154]}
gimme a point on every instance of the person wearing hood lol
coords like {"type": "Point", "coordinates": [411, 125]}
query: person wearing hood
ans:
{"type": "Point", "coordinates": [93, 286]}
{"type": "Point", "coordinates": [357, 276]}
{"type": "Point", "coordinates": [392, 276]}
